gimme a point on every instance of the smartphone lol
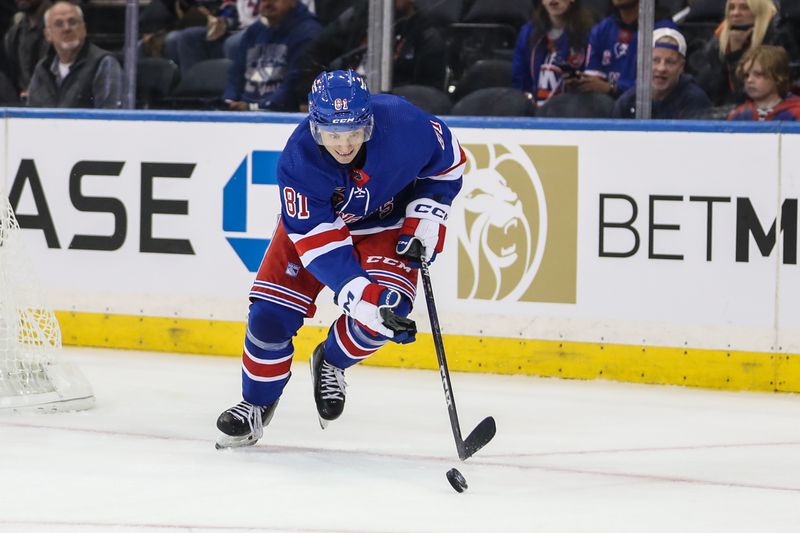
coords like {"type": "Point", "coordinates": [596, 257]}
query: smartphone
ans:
{"type": "Point", "coordinates": [567, 70]}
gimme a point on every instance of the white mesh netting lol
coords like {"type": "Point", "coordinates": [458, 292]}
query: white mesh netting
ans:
{"type": "Point", "coordinates": [31, 374]}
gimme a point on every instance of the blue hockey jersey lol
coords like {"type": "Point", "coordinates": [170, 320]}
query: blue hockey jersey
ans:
{"type": "Point", "coordinates": [265, 66]}
{"type": "Point", "coordinates": [535, 64]}
{"type": "Point", "coordinates": [411, 155]}
{"type": "Point", "coordinates": [612, 51]}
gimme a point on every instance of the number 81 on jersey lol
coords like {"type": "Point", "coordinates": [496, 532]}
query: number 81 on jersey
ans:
{"type": "Point", "coordinates": [295, 203]}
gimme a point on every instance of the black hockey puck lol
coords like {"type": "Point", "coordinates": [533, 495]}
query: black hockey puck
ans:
{"type": "Point", "coordinates": [456, 480]}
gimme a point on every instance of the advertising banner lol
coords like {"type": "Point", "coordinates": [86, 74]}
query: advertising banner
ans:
{"type": "Point", "coordinates": [664, 238]}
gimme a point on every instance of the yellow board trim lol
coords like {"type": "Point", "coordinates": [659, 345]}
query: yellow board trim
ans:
{"type": "Point", "coordinates": [715, 369]}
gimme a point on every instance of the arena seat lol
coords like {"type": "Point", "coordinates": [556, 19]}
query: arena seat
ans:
{"type": "Point", "coordinates": [202, 87]}
{"type": "Point", "coordinates": [482, 74]}
{"type": "Point", "coordinates": [468, 43]}
{"type": "Point", "coordinates": [511, 12]}
{"type": "Point", "coordinates": [698, 27]}
{"type": "Point", "coordinates": [495, 102]}
{"type": "Point", "coordinates": [577, 105]}
{"type": "Point", "coordinates": [442, 12]}
{"type": "Point", "coordinates": [156, 78]}
{"type": "Point", "coordinates": [430, 99]}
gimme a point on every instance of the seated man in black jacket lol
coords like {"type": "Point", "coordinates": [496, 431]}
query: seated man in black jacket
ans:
{"type": "Point", "coordinates": [75, 73]}
{"type": "Point", "coordinates": [674, 94]}
{"type": "Point", "coordinates": [419, 48]}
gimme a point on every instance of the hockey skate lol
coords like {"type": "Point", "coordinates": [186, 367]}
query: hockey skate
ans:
{"type": "Point", "coordinates": [243, 424]}
{"type": "Point", "coordinates": [329, 387]}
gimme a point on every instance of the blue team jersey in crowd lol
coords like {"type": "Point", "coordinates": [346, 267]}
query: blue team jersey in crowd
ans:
{"type": "Point", "coordinates": [535, 65]}
{"type": "Point", "coordinates": [611, 53]}
{"type": "Point", "coordinates": [411, 155]}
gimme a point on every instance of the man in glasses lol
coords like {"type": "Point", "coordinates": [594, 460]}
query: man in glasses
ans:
{"type": "Point", "coordinates": [75, 73]}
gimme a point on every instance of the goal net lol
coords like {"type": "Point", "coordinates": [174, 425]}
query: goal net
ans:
{"type": "Point", "coordinates": [33, 374]}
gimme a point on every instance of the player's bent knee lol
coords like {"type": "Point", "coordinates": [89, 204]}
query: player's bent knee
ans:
{"type": "Point", "coordinates": [271, 322]}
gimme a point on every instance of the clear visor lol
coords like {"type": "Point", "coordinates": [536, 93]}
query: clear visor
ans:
{"type": "Point", "coordinates": [317, 130]}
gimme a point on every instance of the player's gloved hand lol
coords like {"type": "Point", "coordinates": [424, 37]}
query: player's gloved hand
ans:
{"type": "Point", "coordinates": [373, 305]}
{"type": "Point", "coordinates": [424, 223]}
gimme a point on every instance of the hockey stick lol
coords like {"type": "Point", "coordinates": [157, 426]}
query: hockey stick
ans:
{"type": "Point", "coordinates": [483, 432]}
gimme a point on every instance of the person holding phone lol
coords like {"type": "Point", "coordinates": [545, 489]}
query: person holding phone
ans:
{"type": "Point", "coordinates": [551, 48]}
{"type": "Point", "coordinates": [611, 58]}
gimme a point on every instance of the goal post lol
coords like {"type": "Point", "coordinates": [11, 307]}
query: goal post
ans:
{"type": "Point", "coordinates": [33, 373]}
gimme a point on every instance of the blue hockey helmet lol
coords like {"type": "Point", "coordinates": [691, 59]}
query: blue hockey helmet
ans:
{"type": "Point", "coordinates": [339, 102]}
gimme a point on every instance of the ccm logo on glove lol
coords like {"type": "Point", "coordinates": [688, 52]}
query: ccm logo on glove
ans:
{"type": "Point", "coordinates": [430, 211]}
{"type": "Point", "coordinates": [424, 223]}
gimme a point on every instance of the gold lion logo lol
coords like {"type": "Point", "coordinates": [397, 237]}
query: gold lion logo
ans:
{"type": "Point", "coordinates": [504, 224]}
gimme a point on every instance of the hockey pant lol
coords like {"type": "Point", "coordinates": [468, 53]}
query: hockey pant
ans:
{"type": "Point", "coordinates": [284, 293]}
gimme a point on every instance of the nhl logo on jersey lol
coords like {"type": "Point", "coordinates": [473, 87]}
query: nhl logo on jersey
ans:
{"type": "Point", "coordinates": [292, 270]}
{"type": "Point", "coordinates": [517, 229]}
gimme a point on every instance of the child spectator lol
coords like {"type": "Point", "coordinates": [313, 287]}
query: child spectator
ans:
{"type": "Point", "coordinates": [550, 47]}
{"type": "Point", "coordinates": [765, 73]}
{"type": "Point", "coordinates": [747, 24]}
{"type": "Point", "coordinates": [675, 94]}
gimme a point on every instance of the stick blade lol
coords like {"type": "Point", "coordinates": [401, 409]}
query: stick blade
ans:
{"type": "Point", "coordinates": [480, 437]}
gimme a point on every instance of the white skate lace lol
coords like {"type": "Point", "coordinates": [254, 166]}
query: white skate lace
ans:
{"type": "Point", "coordinates": [246, 411]}
{"type": "Point", "coordinates": [332, 382]}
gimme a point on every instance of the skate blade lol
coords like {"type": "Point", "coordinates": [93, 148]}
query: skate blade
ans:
{"type": "Point", "coordinates": [322, 422]}
{"type": "Point", "coordinates": [226, 441]}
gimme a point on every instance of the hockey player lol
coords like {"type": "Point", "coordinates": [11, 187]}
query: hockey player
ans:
{"type": "Point", "coordinates": [361, 180]}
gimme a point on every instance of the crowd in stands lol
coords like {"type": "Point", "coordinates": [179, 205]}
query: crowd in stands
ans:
{"type": "Point", "coordinates": [712, 59]}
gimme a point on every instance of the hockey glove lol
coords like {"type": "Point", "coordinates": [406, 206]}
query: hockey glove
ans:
{"type": "Point", "coordinates": [373, 306]}
{"type": "Point", "coordinates": [424, 223]}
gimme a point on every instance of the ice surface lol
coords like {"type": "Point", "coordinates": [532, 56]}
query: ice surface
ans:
{"type": "Point", "coordinates": [569, 456]}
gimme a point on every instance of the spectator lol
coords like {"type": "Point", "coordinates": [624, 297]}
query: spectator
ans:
{"type": "Point", "coordinates": [747, 24]}
{"type": "Point", "coordinates": [8, 93]}
{"type": "Point", "coordinates": [265, 66]}
{"type": "Point", "coordinates": [550, 47]}
{"type": "Point", "coordinates": [675, 94]}
{"type": "Point", "coordinates": [765, 72]}
{"type": "Point", "coordinates": [25, 44]}
{"type": "Point", "coordinates": [160, 18]}
{"type": "Point", "coordinates": [611, 56]}
{"type": "Point", "coordinates": [155, 20]}
{"type": "Point", "coordinates": [218, 38]}
{"type": "Point", "coordinates": [74, 73]}
{"type": "Point", "coordinates": [419, 48]}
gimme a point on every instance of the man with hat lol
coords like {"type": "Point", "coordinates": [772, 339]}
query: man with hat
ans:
{"type": "Point", "coordinates": [675, 94]}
